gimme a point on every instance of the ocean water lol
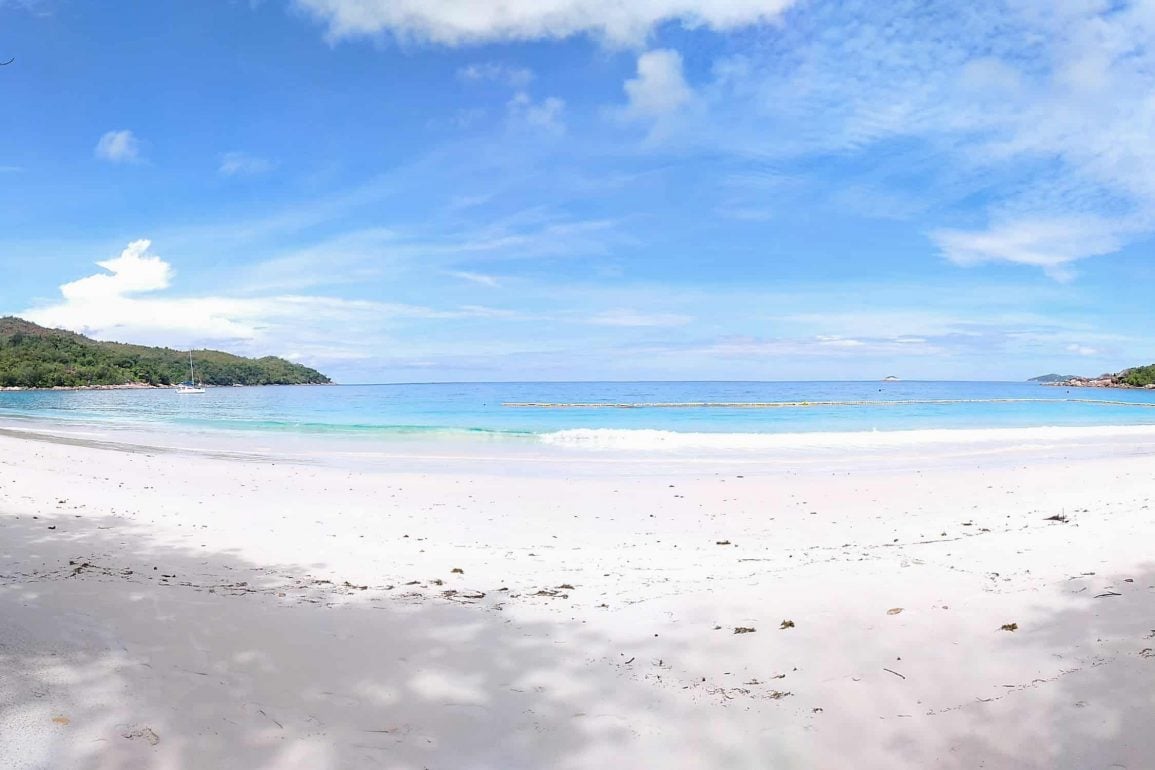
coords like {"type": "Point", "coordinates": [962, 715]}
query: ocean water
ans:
{"type": "Point", "coordinates": [795, 411]}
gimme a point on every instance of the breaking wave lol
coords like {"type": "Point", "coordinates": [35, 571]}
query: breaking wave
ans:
{"type": "Point", "coordinates": [651, 440]}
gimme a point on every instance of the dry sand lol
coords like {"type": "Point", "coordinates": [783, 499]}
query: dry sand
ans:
{"type": "Point", "coordinates": [160, 610]}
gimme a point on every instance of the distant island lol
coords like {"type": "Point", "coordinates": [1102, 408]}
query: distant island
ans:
{"type": "Point", "coordinates": [1047, 379]}
{"type": "Point", "coordinates": [32, 356]}
{"type": "Point", "coordinates": [1136, 377]}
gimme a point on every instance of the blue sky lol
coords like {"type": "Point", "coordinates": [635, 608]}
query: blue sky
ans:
{"type": "Point", "coordinates": [416, 190]}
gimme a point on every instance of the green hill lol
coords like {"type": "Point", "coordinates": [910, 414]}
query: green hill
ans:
{"type": "Point", "coordinates": [1138, 377]}
{"type": "Point", "coordinates": [1135, 377]}
{"type": "Point", "coordinates": [32, 356]}
{"type": "Point", "coordinates": [1050, 378]}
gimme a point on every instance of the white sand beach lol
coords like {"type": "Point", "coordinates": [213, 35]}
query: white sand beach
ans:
{"type": "Point", "coordinates": [170, 610]}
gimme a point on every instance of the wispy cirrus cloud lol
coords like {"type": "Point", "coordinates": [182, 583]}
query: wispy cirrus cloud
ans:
{"type": "Point", "coordinates": [546, 114]}
{"type": "Point", "coordinates": [496, 72]}
{"type": "Point", "coordinates": [636, 319]}
{"type": "Point", "coordinates": [1031, 107]}
{"type": "Point", "coordinates": [244, 164]}
{"type": "Point", "coordinates": [480, 279]}
{"type": "Point", "coordinates": [1082, 350]}
{"type": "Point", "coordinates": [1051, 244]}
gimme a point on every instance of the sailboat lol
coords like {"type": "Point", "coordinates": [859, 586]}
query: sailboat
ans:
{"type": "Point", "coordinates": [189, 388]}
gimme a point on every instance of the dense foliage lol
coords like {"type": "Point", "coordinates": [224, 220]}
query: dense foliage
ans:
{"type": "Point", "coordinates": [34, 357]}
{"type": "Point", "coordinates": [1139, 377]}
{"type": "Point", "coordinates": [1046, 378]}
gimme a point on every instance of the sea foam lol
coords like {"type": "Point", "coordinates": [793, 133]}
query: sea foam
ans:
{"type": "Point", "coordinates": [651, 440]}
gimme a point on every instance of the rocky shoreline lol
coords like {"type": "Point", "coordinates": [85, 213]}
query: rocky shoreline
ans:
{"type": "Point", "coordinates": [1102, 381]}
{"type": "Point", "coordinates": [125, 386]}
{"type": "Point", "coordinates": [140, 386]}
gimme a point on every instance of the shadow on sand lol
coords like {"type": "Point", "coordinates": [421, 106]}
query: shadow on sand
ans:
{"type": "Point", "coordinates": [105, 662]}
{"type": "Point", "coordinates": [1098, 709]}
{"type": "Point", "coordinates": [119, 651]}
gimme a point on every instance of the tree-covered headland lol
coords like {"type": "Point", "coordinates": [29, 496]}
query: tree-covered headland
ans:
{"type": "Point", "coordinates": [33, 356]}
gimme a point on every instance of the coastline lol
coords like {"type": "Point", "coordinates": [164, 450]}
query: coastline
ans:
{"type": "Point", "coordinates": [269, 613]}
{"type": "Point", "coordinates": [123, 386]}
{"type": "Point", "coordinates": [434, 449]}
{"type": "Point", "coordinates": [732, 408]}
{"type": "Point", "coordinates": [143, 386]}
{"type": "Point", "coordinates": [1095, 383]}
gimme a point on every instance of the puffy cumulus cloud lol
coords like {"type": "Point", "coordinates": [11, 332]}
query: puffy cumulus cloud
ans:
{"type": "Point", "coordinates": [110, 305]}
{"type": "Point", "coordinates": [118, 147]}
{"type": "Point", "coordinates": [660, 87]}
{"type": "Point", "coordinates": [461, 22]}
{"type": "Point", "coordinates": [129, 302]}
{"type": "Point", "coordinates": [134, 271]}
{"type": "Point", "coordinates": [183, 321]}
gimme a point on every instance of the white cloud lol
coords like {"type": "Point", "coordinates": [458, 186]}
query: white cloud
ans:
{"type": "Point", "coordinates": [1082, 350]}
{"type": "Point", "coordinates": [460, 22]}
{"type": "Point", "coordinates": [632, 318]}
{"type": "Point", "coordinates": [129, 303]}
{"type": "Point", "coordinates": [478, 278]}
{"type": "Point", "coordinates": [533, 233]}
{"type": "Point", "coordinates": [1038, 109]}
{"type": "Point", "coordinates": [133, 272]}
{"type": "Point", "coordinates": [108, 305]}
{"type": "Point", "coordinates": [118, 147]}
{"type": "Point", "coordinates": [463, 202]}
{"type": "Point", "coordinates": [660, 87]}
{"type": "Point", "coordinates": [1051, 244]}
{"type": "Point", "coordinates": [821, 347]}
{"type": "Point", "coordinates": [494, 72]}
{"type": "Point", "coordinates": [243, 164]}
{"type": "Point", "coordinates": [831, 341]}
{"type": "Point", "coordinates": [376, 256]}
{"type": "Point", "coordinates": [545, 114]}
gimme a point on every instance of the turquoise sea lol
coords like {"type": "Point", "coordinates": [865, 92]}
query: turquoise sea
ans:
{"type": "Point", "coordinates": [475, 410]}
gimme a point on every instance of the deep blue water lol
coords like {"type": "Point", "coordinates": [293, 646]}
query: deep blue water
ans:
{"type": "Point", "coordinates": [445, 409]}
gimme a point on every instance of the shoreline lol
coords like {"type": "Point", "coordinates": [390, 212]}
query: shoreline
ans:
{"type": "Point", "coordinates": [171, 610]}
{"type": "Point", "coordinates": [567, 444]}
{"type": "Point", "coordinates": [124, 386]}
{"type": "Point", "coordinates": [1093, 383]}
{"type": "Point", "coordinates": [145, 386]}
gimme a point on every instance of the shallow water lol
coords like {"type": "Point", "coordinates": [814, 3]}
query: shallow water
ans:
{"type": "Point", "coordinates": [430, 427]}
{"type": "Point", "coordinates": [478, 409]}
